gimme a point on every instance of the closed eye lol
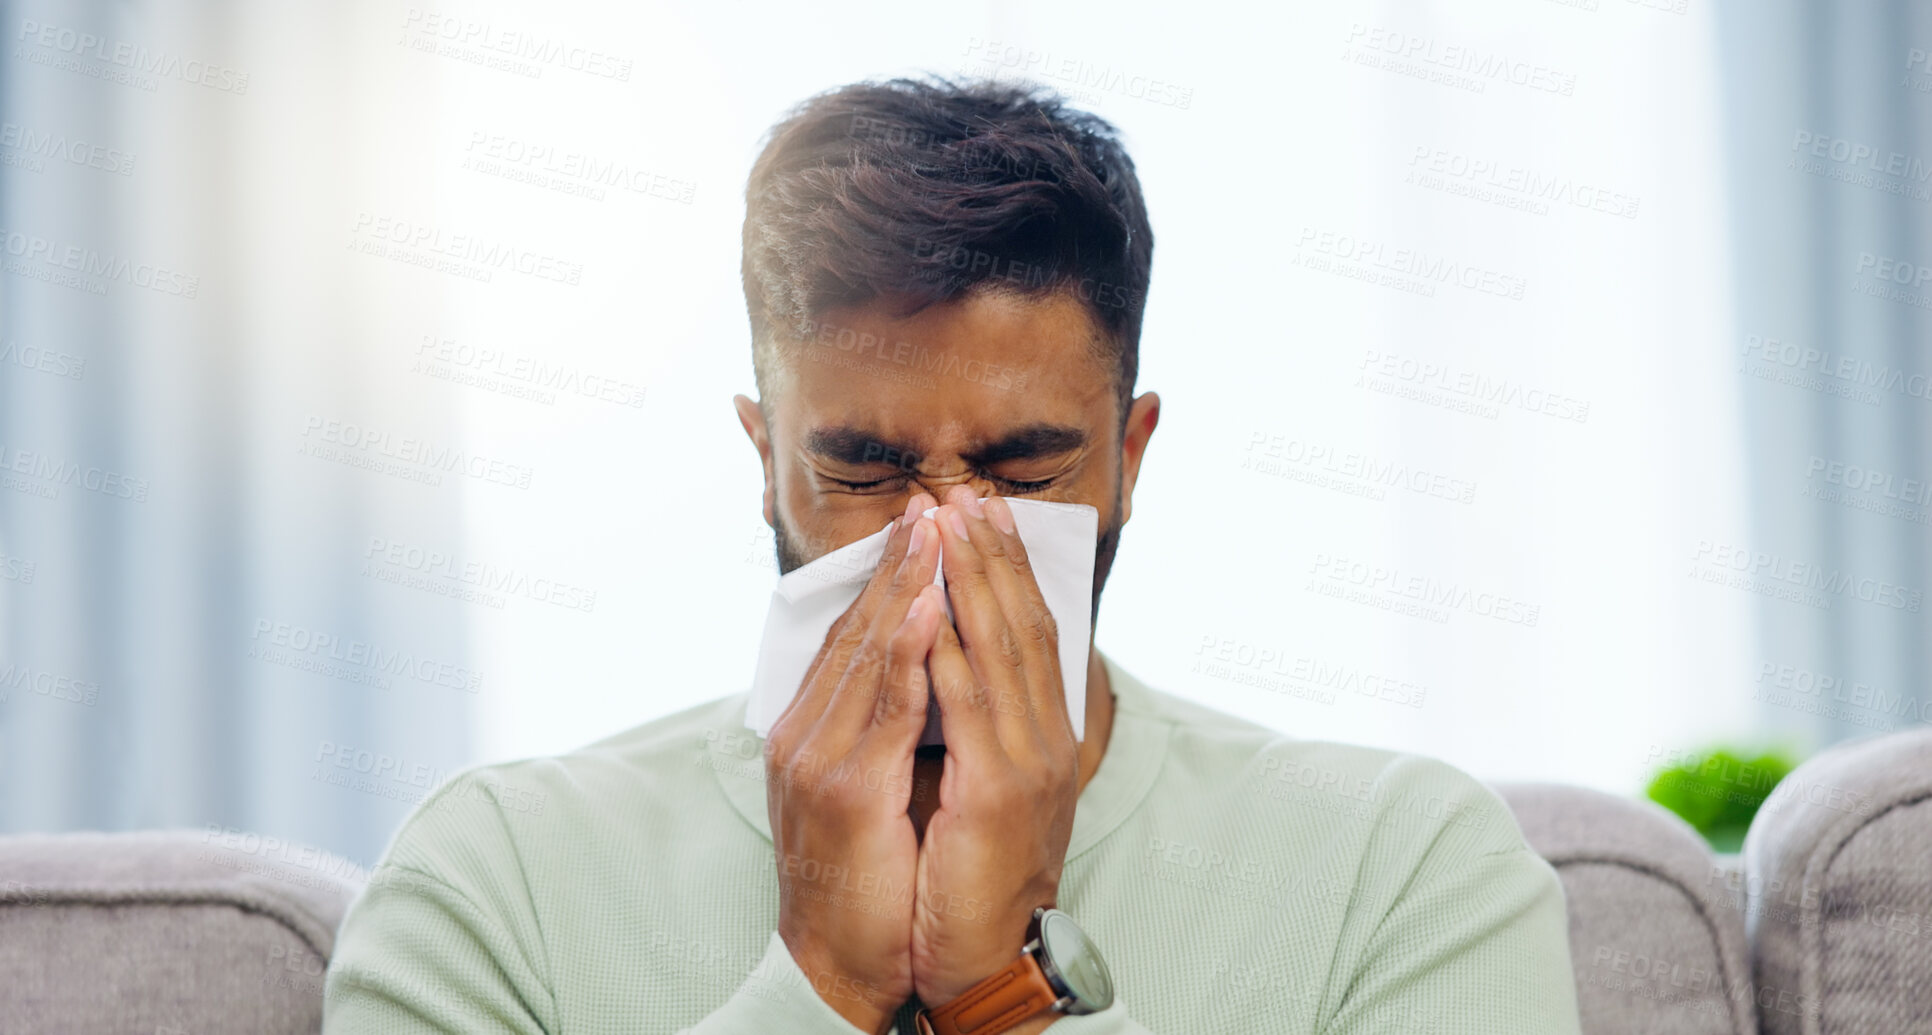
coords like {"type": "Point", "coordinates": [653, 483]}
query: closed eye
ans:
{"type": "Point", "coordinates": [1007, 485]}
{"type": "Point", "coordinates": [1019, 488]}
{"type": "Point", "coordinates": [864, 486]}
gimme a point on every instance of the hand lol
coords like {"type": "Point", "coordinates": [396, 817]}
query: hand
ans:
{"type": "Point", "coordinates": [838, 768]}
{"type": "Point", "coordinates": [995, 848]}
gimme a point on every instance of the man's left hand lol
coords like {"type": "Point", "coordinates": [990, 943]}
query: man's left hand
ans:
{"type": "Point", "coordinates": [995, 848]}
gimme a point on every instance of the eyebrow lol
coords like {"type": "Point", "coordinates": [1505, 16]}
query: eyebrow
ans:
{"type": "Point", "coordinates": [850, 445]}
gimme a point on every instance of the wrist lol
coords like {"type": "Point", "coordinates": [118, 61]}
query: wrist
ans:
{"type": "Point", "coordinates": [861, 1002]}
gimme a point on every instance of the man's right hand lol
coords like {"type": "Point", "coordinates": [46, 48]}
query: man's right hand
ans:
{"type": "Point", "coordinates": [838, 779]}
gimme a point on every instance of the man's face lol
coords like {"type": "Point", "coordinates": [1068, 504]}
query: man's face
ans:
{"type": "Point", "coordinates": [997, 392]}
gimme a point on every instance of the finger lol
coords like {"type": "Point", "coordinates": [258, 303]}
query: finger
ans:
{"type": "Point", "coordinates": [965, 705]}
{"type": "Point", "coordinates": [1027, 613]}
{"type": "Point", "coordinates": [992, 646]}
{"type": "Point", "coordinates": [856, 699]}
{"type": "Point", "coordinates": [899, 715]}
{"type": "Point", "coordinates": [1014, 585]}
{"type": "Point", "coordinates": [841, 643]}
{"type": "Point", "coordinates": [845, 634]}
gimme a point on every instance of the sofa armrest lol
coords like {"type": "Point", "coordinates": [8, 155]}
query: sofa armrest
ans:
{"type": "Point", "coordinates": [1656, 935]}
{"type": "Point", "coordinates": [159, 932]}
{"type": "Point", "coordinates": [1839, 860]}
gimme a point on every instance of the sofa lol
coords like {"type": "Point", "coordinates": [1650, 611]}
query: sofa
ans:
{"type": "Point", "coordinates": [1822, 926]}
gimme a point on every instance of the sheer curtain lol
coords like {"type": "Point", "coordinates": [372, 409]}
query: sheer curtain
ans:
{"type": "Point", "coordinates": [1830, 155]}
{"type": "Point", "coordinates": [1427, 514]}
{"type": "Point", "coordinates": [204, 635]}
{"type": "Point", "coordinates": [435, 463]}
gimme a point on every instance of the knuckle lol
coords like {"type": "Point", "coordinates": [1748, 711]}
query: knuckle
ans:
{"type": "Point", "coordinates": [904, 645]}
{"type": "Point", "coordinates": [895, 700]}
{"type": "Point", "coordinates": [1042, 629]}
{"type": "Point", "coordinates": [1016, 553]}
{"type": "Point", "coordinates": [1008, 648]}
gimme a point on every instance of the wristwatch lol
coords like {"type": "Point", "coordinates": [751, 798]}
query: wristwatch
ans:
{"type": "Point", "coordinates": [1059, 970]}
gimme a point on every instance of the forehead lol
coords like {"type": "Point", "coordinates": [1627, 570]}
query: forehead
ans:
{"type": "Point", "coordinates": [950, 376]}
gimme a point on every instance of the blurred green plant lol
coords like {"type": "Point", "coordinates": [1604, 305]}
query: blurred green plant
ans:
{"type": "Point", "coordinates": [1719, 790]}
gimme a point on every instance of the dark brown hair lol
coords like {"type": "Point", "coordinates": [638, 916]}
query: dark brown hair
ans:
{"type": "Point", "coordinates": [927, 189]}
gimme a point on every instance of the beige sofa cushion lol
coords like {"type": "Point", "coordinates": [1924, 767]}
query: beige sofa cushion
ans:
{"type": "Point", "coordinates": [202, 932]}
{"type": "Point", "coordinates": [1656, 932]}
{"type": "Point", "coordinates": [1840, 864]}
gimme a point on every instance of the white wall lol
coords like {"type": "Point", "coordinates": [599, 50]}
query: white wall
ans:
{"type": "Point", "coordinates": [1297, 134]}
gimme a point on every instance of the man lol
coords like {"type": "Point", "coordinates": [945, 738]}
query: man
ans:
{"type": "Point", "coordinates": [945, 286]}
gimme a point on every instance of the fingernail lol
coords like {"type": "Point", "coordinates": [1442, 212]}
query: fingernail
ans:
{"type": "Point", "coordinates": [958, 521]}
{"type": "Point", "coordinates": [1001, 514]}
{"type": "Point", "coordinates": [918, 536]}
{"type": "Point", "coordinates": [973, 507]}
{"type": "Point", "coordinates": [918, 605]}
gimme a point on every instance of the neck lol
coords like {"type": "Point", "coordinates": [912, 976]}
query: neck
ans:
{"type": "Point", "coordinates": [927, 768]}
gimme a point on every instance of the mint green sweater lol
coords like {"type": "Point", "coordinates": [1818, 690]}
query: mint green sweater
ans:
{"type": "Point", "coordinates": [1234, 879]}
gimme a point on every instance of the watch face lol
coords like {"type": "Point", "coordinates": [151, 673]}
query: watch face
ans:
{"type": "Point", "coordinates": [1066, 947]}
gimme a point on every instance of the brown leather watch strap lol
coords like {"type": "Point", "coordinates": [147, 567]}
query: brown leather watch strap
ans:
{"type": "Point", "coordinates": [1018, 991]}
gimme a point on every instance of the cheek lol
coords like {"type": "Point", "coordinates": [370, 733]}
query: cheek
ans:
{"type": "Point", "coordinates": [824, 522]}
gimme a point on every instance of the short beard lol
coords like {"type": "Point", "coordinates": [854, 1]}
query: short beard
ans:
{"type": "Point", "coordinates": [791, 556]}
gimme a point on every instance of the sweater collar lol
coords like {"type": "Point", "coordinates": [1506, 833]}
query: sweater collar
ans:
{"type": "Point", "coordinates": [1128, 769]}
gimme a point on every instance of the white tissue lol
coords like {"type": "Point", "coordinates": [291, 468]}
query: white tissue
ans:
{"type": "Point", "coordinates": [1059, 540]}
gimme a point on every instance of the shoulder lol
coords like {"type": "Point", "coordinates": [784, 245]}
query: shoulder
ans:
{"type": "Point", "coordinates": [491, 818]}
{"type": "Point", "coordinates": [1391, 803]}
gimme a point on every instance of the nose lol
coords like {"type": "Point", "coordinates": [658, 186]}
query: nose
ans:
{"type": "Point", "coordinates": [939, 488]}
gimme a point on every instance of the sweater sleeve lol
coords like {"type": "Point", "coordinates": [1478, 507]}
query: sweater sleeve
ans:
{"type": "Point", "coordinates": [416, 956]}
{"type": "Point", "coordinates": [1114, 1020]}
{"type": "Point", "coordinates": [1477, 944]}
{"type": "Point", "coordinates": [774, 997]}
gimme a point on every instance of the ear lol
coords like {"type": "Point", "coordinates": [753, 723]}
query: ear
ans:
{"type": "Point", "coordinates": [1143, 414]}
{"type": "Point", "coordinates": [753, 420]}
